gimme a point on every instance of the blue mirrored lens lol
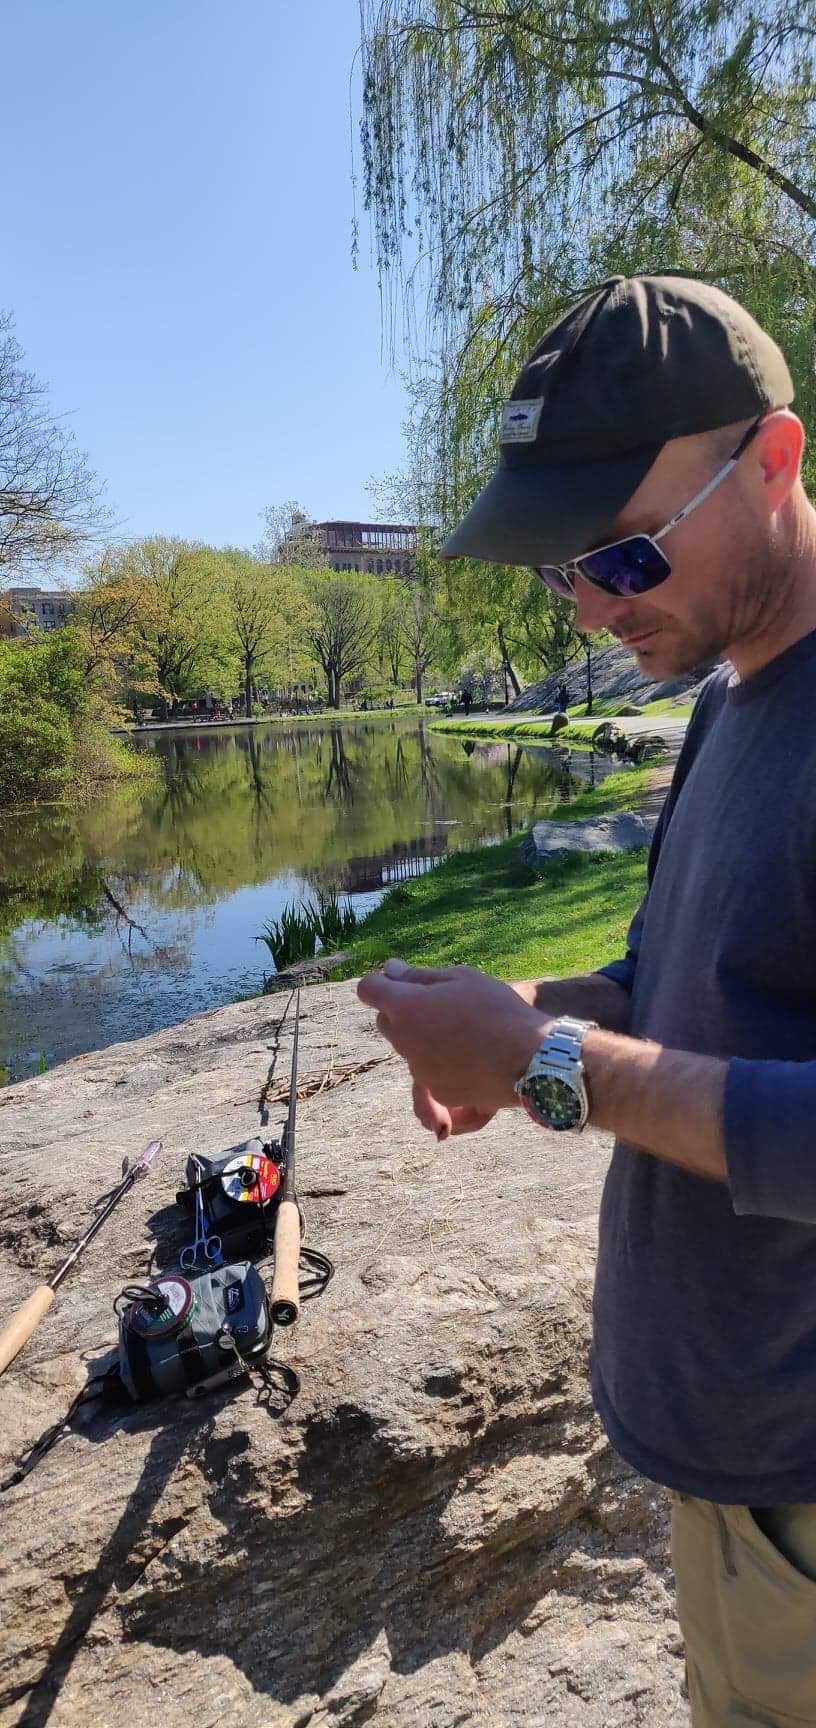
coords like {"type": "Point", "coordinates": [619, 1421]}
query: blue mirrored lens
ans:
{"type": "Point", "coordinates": [630, 567]}
{"type": "Point", "coordinates": [556, 579]}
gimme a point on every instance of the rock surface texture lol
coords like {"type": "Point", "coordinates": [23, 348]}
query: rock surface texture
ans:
{"type": "Point", "coordinates": [615, 673]}
{"type": "Point", "coordinates": [434, 1533]}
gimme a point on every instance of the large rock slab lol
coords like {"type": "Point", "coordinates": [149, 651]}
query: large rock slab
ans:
{"type": "Point", "coordinates": [435, 1532]}
{"type": "Point", "coordinates": [615, 675]}
{"type": "Point", "coordinates": [623, 832]}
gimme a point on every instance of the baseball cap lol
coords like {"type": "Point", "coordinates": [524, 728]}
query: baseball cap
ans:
{"type": "Point", "coordinates": [638, 361]}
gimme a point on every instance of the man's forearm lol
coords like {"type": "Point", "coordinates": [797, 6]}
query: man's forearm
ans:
{"type": "Point", "coordinates": [670, 1102]}
{"type": "Point", "coordinates": [588, 996]}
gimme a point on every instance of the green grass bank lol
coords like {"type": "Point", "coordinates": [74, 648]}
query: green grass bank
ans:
{"type": "Point", "coordinates": [484, 907]}
{"type": "Point", "coordinates": [502, 731]}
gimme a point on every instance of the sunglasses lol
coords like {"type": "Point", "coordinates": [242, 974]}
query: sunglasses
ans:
{"type": "Point", "coordinates": [627, 568]}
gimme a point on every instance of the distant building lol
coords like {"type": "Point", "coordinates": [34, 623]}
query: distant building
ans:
{"type": "Point", "coordinates": [37, 607]}
{"type": "Point", "coordinates": [379, 548]}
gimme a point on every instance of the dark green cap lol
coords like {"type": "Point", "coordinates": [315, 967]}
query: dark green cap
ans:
{"type": "Point", "coordinates": [640, 360]}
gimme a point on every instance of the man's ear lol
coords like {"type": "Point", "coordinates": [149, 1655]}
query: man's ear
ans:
{"type": "Point", "coordinates": [780, 443]}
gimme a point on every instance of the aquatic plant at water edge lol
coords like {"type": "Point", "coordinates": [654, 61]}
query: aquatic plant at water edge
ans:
{"type": "Point", "coordinates": [291, 937]}
{"type": "Point", "coordinates": [333, 924]}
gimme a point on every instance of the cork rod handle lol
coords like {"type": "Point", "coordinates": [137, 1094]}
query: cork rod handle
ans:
{"type": "Point", "coordinates": [285, 1305]}
{"type": "Point", "coordinates": [21, 1325]}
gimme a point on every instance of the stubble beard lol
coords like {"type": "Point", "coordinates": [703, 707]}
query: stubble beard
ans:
{"type": "Point", "coordinates": [678, 655]}
{"type": "Point", "coordinates": [742, 608]}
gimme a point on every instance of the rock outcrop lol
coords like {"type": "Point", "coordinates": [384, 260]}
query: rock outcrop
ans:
{"type": "Point", "coordinates": [615, 673]}
{"type": "Point", "coordinates": [435, 1531]}
{"type": "Point", "coordinates": [624, 831]}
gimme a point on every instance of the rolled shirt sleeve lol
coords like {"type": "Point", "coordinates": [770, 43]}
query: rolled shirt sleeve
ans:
{"type": "Point", "coordinates": [770, 1138]}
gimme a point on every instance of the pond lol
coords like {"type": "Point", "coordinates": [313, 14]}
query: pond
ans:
{"type": "Point", "coordinates": [127, 915]}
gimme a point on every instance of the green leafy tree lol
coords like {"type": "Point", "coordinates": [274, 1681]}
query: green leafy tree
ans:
{"type": "Point", "coordinates": [258, 608]}
{"type": "Point", "coordinates": [504, 138]}
{"type": "Point", "coordinates": [43, 703]}
{"type": "Point", "coordinates": [515, 154]}
{"type": "Point", "coordinates": [392, 631]}
{"type": "Point", "coordinates": [47, 668]}
{"type": "Point", "coordinates": [178, 633]}
{"type": "Point", "coordinates": [344, 618]}
{"type": "Point", "coordinates": [422, 632]}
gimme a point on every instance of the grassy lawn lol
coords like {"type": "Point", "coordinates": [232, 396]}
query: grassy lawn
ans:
{"type": "Point", "coordinates": [484, 908]}
{"type": "Point", "coordinates": [578, 736]}
{"type": "Point", "coordinates": [503, 729]}
{"type": "Point", "coordinates": [610, 709]}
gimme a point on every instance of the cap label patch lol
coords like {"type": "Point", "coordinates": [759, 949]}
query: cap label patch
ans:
{"type": "Point", "coordinates": [519, 424]}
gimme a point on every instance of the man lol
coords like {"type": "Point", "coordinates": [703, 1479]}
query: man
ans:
{"type": "Point", "coordinates": [650, 469]}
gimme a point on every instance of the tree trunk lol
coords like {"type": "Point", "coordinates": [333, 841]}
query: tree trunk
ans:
{"type": "Point", "coordinates": [418, 684]}
{"type": "Point", "coordinates": [248, 686]}
{"type": "Point", "coordinates": [507, 662]}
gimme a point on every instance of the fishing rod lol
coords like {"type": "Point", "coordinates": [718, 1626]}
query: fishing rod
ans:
{"type": "Point", "coordinates": [28, 1316]}
{"type": "Point", "coordinates": [285, 1302]}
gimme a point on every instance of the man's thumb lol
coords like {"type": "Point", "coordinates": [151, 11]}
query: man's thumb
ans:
{"type": "Point", "coordinates": [405, 974]}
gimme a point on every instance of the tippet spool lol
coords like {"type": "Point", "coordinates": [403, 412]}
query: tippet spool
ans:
{"type": "Point", "coordinates": [169, 1305]}
{"type": "Point", "coordinates": [251, 1177]}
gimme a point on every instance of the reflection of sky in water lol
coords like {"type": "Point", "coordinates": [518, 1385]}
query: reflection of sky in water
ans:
{"type": "Point", "coordinates": [67, 989]}
{"type": "Point", "coordinates": [71, 991]}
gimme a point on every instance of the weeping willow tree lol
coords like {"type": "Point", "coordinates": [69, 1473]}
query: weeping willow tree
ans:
{"type": "Point", "coordinates": [516, 153]}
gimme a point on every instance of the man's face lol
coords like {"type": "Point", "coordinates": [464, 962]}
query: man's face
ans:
{"type": "Point", "coordinates": [722, 560]}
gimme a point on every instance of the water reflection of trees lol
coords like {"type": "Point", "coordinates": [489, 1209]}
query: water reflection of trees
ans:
{"type": "Point", "coordinates": [339, 778]}
{"type": "Point", "coordinates": [236, 809]}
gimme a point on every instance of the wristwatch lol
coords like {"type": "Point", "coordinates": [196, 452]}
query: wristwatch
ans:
{"type": "Point", "coordinates": [553, 1089]}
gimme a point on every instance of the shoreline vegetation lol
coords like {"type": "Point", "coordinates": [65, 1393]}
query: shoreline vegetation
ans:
{"type": "Point", "coordinates": [578, 734]}
{"type": "Point", "coordinates": [487, 907]}
{"type": "Point", "coordinates": [56, 742]}
{"type": "Point", "coordinates": [330, 716]}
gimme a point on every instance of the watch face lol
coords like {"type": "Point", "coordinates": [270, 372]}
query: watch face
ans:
{"type": "Point", "coordinates": [554, 1100]}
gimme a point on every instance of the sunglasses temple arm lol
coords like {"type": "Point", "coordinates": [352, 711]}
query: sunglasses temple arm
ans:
{"type": "Point", "coordinates": [712, 484]}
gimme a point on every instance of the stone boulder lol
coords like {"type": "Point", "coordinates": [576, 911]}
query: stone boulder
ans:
{"type": "Point", "coordinates": [645, 747]}
{"type": "Point", "coordinates": [623, 832]}
{"type": "Point", "coordinates": [609, 737]}
{"type": "Point", "coordinates": [560, 722]}
{"type": "Point", "coordinates": [434, 1531]}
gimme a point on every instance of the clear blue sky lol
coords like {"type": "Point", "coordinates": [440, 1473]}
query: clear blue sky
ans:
{"type": "Point", "coordinates": [176, 252]}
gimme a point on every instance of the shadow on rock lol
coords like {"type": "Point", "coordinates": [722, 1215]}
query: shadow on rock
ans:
{"type": "Point", "coordinates": [376, 1543]}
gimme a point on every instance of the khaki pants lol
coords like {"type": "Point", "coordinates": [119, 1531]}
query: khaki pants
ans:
{"type": "Point", "coordinates": [746, 1602]}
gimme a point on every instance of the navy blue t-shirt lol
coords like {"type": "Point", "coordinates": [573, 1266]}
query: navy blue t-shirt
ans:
{"type": "Point", "coordinates": [704, 1351]}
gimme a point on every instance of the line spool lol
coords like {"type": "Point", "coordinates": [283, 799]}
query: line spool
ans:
{"type": "Point", "coordinates": [251, 1179]}
{"type": "Point", "coordinates": [167, 1304]}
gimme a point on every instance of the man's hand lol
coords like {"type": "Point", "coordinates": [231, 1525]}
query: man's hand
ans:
{"type": "Point", "coordinates": [465, 1037]}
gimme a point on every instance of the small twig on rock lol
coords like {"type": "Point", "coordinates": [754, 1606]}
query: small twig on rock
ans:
{"type": "Point", "coordinates": [394, 1221]}
{"type": "Point", "coordinates": [311, 1084]}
